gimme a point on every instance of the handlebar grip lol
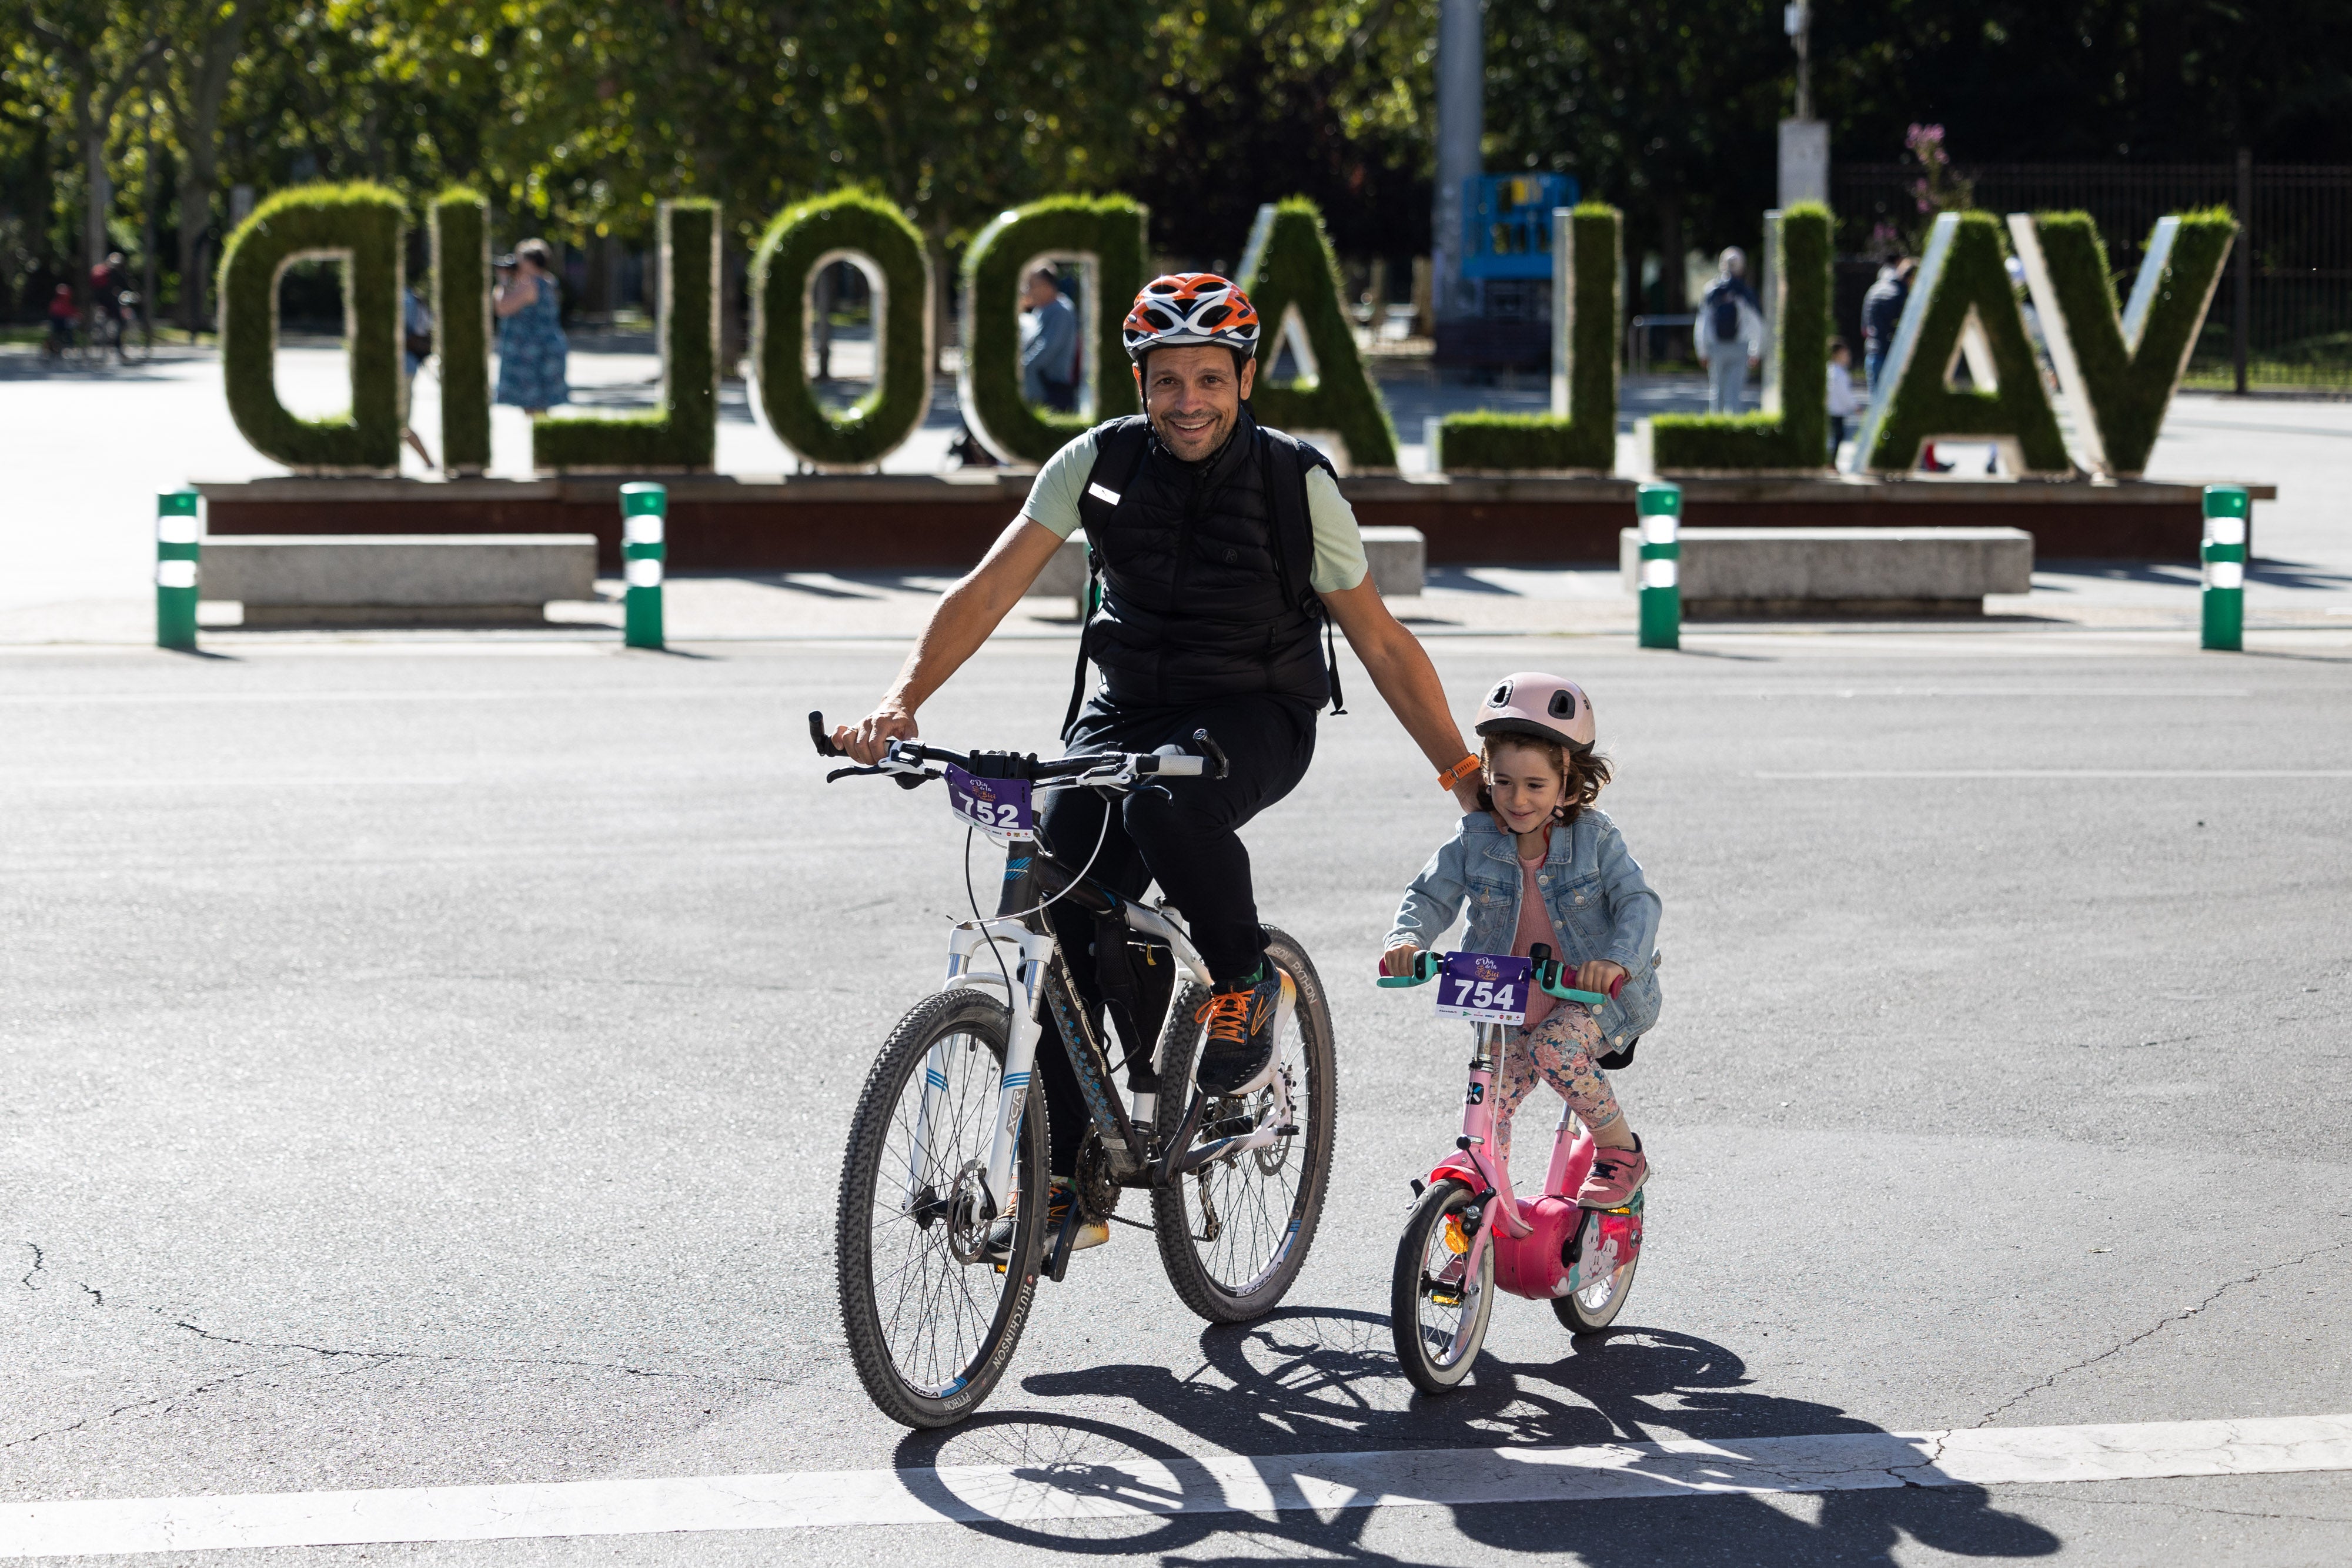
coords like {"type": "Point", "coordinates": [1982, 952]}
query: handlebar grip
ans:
{"type": "Point", "coordinates": [1179, 766]}
{"type": "Point", "coordinates": [1216, 753]}
{"type": "Point", "coordinates": [824, 746]}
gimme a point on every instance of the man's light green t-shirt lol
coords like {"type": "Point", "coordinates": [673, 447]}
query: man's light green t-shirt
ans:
{"type": "Point", "coordinates": [1052, 504]}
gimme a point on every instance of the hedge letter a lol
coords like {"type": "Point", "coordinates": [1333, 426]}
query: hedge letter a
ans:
{"type": "Point", "coordinates": [1291, 276]}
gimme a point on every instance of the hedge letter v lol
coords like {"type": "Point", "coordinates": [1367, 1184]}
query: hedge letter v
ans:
{"type": "Point", "coordinates": [2119, 375]}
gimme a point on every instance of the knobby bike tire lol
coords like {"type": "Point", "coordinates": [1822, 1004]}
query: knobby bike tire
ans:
{"type": "Point", "coordinates": [1424, 1368]}
{"type": "Point", "coordinates": [1208, 1284]}
{"type": "Point", "coordinates": [880, 1152]}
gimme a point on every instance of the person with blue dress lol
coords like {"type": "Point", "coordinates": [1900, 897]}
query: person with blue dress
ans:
{"type": "Point", "coordinates": [532, 346]}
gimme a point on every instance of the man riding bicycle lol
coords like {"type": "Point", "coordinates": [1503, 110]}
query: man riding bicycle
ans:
{"type": "Point", "coordinates": [1222, 547]}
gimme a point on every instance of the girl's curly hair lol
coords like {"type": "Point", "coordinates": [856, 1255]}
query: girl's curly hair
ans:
{"type": "Point", "coordinates": [1582, 778]}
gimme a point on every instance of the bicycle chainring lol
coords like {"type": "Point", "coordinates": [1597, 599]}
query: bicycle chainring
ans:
{"type": "Point", "coordinates": [1097, 1188]}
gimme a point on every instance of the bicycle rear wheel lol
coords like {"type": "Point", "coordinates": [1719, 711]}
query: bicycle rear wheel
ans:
{"type": "Point", "coordinates": [932, 1319]}
{"type": "Point", "coordinates": [1234, 1233]}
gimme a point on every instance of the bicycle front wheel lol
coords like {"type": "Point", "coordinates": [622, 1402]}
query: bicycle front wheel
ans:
{"type": "Point", "coordinates": [931, 1301]}
{"type": "Point", "coordinates": [1234, 1233]}
{"type": "Point", "coordinates": [1437, 1308]}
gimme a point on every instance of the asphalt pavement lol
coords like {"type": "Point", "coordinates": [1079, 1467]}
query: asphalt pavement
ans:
{"type": "Point", "coordinates": [427, 1064]}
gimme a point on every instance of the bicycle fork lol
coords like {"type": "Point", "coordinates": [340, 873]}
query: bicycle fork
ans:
{"type": "Point", "coordinates": [971, 964]}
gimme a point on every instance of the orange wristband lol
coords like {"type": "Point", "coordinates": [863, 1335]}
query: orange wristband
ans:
{"type": "Point", "coordinates": [1452, 777]}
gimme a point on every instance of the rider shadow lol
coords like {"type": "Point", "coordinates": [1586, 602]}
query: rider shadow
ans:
{"type": "Point", "coordinates": [1302, 1383]}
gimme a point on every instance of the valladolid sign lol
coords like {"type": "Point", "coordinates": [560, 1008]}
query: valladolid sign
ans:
{"type": "Point", "coordinates": [2117, 368]}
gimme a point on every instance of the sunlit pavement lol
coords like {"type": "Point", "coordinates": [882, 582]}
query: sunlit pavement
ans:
{"type": "Point", "coordinates": [429, 1059]}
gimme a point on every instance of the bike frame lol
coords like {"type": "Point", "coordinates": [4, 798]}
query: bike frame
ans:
{"type": "Point", "coordinates": [975, 951]}
{"type": "Point", "coordinates": [1530, 1240]}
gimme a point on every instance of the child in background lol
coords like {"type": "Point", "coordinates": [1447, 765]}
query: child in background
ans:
{"type": "Point", "coordinates": [1844, 405]}
{"type": "Point", "coordinates": [63, 316]}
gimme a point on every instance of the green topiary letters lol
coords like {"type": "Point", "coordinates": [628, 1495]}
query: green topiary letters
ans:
{"type": "Point", "coordinates": [1580, 434]}
{"type": "Point", "coordinates": [1291, 275]}
{"type": "Point", "coordinates": [461, 327]}
{"type": "Point", "coordinates": [2120, 375]}
{"type": "Point", "coordinates": [1961, 303]}
{"type": "Point", "coordinates": [1108, 231]}
{"type": "Point", "coordinates": [1792, 438]}
{"type": "Point", "coordinates": [361, 225]}
{"type": "Point", "coordinates": [851, 226]}
{"type": "Point", "coordinates": [682, 435]}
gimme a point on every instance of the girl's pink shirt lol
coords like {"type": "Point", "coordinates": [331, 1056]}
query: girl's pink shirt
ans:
{"type": "Point", "coordinates": [1535, 925]}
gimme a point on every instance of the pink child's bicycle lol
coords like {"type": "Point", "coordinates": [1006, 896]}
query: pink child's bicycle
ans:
{"type": "Point", "coordinates": [1467, 1234]}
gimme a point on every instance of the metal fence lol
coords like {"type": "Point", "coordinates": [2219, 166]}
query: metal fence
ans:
{"type": "Point", "coordinates": [2284, 315]}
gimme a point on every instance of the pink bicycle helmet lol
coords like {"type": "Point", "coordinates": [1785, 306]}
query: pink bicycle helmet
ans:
{"type": "Point", "coordinates": [1545, 708]}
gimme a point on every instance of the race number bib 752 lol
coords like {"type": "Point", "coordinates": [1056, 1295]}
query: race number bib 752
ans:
{"type": "Point", "coordinates": [999, 806]}
{"type": "Point", "coordinates": [1485, 987]}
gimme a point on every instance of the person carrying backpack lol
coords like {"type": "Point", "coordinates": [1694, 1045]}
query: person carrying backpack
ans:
{"type": "Point", "coordinates": [1224, 552]}
{"type": "Point", "coordinates": [1731, 332]}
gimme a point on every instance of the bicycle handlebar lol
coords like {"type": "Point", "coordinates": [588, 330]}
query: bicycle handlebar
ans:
{"type": "Point", "coordinates": [905, 761]}
{"type": "Point", "coordinates": [1547, 971]}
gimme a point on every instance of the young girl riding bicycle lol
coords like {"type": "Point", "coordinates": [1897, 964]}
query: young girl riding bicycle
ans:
{"type": "Point", "coordinates": [1546, 868]}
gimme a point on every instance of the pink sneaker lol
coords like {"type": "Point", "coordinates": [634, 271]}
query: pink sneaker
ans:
{"type": "Point", "coordinates": [1615, 1176]}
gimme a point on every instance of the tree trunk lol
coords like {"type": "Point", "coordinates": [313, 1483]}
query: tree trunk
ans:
{"type": "Point", "coordinates": [198, 124]}
{"type": "Point", "coordinates": [943, 298]}
{"type": "Point", "coordinates": [1670, 254]}
{"type": "Point", "coordinates": [99, 187]}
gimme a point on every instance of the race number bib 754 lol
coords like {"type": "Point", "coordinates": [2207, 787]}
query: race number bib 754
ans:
{"type": "Point", "coordinates": [1485, 987]}
{"type": "Point", "coordinates": [998, 806]}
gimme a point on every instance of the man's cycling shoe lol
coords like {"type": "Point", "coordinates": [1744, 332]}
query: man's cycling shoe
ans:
{"type": "Point", "coordinates": [1238, 1055]}
{"type": "Point", "coordinates": [1089, 1233]}
{"type": "Point", "coordinates": [1616, 1176]}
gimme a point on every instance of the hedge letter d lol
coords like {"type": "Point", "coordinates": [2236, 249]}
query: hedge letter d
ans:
{"type": "Point", "coordinates": [1106, 235]}
{"type": "Point", "coordinates": [358, 226]}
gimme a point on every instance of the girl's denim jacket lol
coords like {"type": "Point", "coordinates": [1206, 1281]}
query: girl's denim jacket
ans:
{"type": "Point", "coordinates": [1601, 907]}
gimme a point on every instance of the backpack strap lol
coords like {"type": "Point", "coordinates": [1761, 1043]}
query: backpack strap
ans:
{"type": "Point", "coordinates": [1120, 448]}
{"type": "Point", "coordinates": [1287, 461]}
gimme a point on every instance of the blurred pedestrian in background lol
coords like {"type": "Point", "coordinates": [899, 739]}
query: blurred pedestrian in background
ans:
{"type": "Point", "coordinates": [64, 316]}
{"type": "Point", "coordinates": [1731, 332]}
{"type": "Point", "coordinates": [531, 347]}
{"type": "Point", "coordinates": [1049, 344]}
{"type": "Point", "coordinates": [1843, 403]}
{"type": "Point", "coordinates": [415, 342]}
{"type": "Point", "coordinates": [1882, 312]}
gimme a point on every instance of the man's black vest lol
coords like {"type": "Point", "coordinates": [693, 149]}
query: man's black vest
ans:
{"type": "Point", "coordinates": [1204, 568]}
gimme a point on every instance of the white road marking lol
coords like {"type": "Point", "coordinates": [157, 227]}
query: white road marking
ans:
{"type": "Point", "coordinates": [2068, 773]}
{"type": "Point", "coordinates": [1040, 1494]}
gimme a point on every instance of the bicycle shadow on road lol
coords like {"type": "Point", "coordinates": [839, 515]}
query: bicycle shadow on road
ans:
{"type": "Point", "coordinates": [1305, 1382]}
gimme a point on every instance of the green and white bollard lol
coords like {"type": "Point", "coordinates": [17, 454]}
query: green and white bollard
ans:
{"type": "Point", "coordinates": [2225, 567]}
{"type": "Point", "coordinates": [644, 509]}
{"type": "Point", "coordinates": [1659, 508]}
{"type": "Point", "coordinates": [179, 535]}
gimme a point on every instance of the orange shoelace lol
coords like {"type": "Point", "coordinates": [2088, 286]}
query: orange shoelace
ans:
{"type": "Point", "coordinates": [1226, 1015]}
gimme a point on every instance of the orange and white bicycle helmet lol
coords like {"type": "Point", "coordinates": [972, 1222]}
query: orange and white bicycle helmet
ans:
{"type": "Point", "coordinates": [1179, 308]}
{"type": "Point", "coordinates": [1545, 708]}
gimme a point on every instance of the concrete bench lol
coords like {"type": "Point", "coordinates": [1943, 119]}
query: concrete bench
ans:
{"type": "Point", "coordinates": [1751, 573]}
{"type": "Point", "coordinates": [396, 579]}
{"type": "Point", "coordinates": [1399, 560]}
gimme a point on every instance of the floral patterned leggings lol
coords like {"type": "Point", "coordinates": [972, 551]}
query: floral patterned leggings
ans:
{"type": "Point", "coordinates": [1560, 1051]}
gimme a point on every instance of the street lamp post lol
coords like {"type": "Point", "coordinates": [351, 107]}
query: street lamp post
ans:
{"type": "Point", "coordinates": [1804, 140]}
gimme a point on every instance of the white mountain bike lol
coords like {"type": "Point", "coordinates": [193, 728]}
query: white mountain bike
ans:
{"type": "Point", "coordinates": [946, 1140]}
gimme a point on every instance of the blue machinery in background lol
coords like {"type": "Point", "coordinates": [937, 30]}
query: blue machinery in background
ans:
{"type": "Point", "coordinates": [1506, 223]}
